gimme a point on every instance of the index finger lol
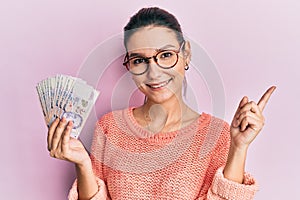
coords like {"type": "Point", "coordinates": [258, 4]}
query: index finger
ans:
{"type": "Point", "coordinates": [265, 98]}
{"type": "Point", "coordinates": [51, 132]}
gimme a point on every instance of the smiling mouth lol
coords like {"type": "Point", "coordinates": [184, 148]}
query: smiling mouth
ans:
{"type": "Point", "coordinates": [159, 85]}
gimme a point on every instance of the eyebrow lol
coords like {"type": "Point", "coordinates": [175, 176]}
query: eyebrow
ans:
{"type": "Point", "coordinates": [166, 47]}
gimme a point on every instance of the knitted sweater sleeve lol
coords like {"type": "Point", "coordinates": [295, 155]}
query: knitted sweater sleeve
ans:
{"type": "Point", "coordinates": [96, 156]}
{"type": "Point", "coordinates": [100, 195]}
{"type": "Point", "coordinates": [220, 188]}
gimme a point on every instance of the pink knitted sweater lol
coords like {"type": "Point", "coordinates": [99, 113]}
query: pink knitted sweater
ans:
{"type": "Point", "coordinates": [132, 163]}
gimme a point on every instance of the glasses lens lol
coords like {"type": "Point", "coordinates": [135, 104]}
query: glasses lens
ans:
{"type": "Point", "coordinates": [167, 59]}
{"type": "Point", "coordinates": [137, 65]}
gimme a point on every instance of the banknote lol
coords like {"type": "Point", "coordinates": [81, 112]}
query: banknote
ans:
{"type": "Point", "coordinates": [66, 96]}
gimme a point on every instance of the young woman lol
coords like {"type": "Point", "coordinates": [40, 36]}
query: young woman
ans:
{"type": "Point", "coordinates": [162, 149]}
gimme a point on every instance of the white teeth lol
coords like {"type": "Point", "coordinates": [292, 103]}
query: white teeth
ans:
{"type": "Point", "coordinates": [160, 85]}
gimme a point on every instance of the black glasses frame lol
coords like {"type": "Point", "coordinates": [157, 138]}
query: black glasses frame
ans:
{"type": "Point", "coordinates": [126, 60]}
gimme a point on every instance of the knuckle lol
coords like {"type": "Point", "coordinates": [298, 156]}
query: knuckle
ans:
{"type": "Point", "coordinates": [61, 124]}
{"type": "Point", "coordinates": [236, 123]}
{"type": "Point", "coordinates": [64, 155]}
{"type": "Point", "coordinates": [52, 153]}
{"type": "Point", "coordinates": [55, 137]}
{"type": "Point", "coordinates": [242, 116]}
{"type": "Point", "coordinates": [57, 155]}
{"type": "Point", "coordinates": [246, 118]}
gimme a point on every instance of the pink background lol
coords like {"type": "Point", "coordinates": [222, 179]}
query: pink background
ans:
{"type": "Point", "coordinates": [254, 44]}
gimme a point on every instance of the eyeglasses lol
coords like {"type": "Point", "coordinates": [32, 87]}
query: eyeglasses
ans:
{"type": "Point", "coordinates": [165, 59]}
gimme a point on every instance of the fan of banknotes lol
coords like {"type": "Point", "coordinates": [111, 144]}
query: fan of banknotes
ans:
{"type": "Point", "coordinates": [69, 97]}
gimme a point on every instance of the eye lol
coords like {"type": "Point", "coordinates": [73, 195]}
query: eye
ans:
{"type": "Point", "coordinates": [167, 54]}
{"type": "Point", "coordinates": [137, 61]}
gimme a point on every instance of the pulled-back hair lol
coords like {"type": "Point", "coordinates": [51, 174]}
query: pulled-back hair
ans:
{"type": "Point", "coordinates": [152, 16]}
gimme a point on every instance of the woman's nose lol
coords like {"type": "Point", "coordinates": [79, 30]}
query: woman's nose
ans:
{"type": "Point", "coordinates": [154, 71]}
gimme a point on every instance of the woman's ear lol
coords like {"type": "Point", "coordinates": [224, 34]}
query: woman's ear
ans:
{"type": "Point", "coordinates": [187, 52]}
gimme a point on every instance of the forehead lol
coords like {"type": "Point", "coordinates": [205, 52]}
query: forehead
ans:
{"type": "Point", "coordinates": [153, 37]}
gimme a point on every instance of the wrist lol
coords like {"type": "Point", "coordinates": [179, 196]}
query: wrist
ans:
{"type": "Point", "coordinates": [240, 149]}
{"type": "Point", "coordinates": [84, 165]}
{"type": "Point", "coordinates": [237, 154]}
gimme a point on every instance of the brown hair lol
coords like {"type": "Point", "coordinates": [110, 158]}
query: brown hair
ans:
{"type": "Point", "coordinates": [152, 16]}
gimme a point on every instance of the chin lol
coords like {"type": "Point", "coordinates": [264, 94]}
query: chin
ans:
{"type": "Point", "coordinates": [162, 98]}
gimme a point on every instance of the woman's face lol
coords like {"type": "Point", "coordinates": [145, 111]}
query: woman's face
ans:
{"type": "Point", "coordinates": [158, 84]}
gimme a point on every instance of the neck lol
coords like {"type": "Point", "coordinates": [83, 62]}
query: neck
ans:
{"type": "Point", "coordinates": [164, 116]}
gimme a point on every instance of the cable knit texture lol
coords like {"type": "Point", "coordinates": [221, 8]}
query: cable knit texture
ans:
{"type": "Point", "coordinates": [131, 162]}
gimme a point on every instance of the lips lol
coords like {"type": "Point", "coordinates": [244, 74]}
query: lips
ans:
{"type": "Point", "coordinates": [159, 85]}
